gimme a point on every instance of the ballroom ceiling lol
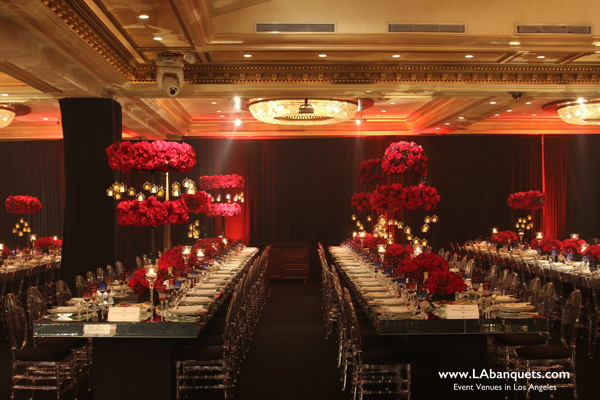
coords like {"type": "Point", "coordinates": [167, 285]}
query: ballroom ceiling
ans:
{"type": "Point", "coordinates": [430, 67]}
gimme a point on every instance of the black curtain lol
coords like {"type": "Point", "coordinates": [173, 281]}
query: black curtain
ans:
{"type": "Point", "coordinates": [89, 127]}
{"type": "Point", "coordinates": [33, 168]}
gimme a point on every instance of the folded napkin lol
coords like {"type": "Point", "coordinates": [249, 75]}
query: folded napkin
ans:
{"type": "Point", "coordinates": [505, 299]}
{"type": "Point", "coordinates": [201, 292]}
{"type": "Point", "coordinates": [186, 310]}
{"type": "Point", "coordinates": [197, 300]}
{"type": "Point", "coordinates": [395, 310]}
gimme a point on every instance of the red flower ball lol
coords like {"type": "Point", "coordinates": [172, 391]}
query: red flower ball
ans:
{"type": "Point", "coordinates": [198, 203]}
{"type": "Point", "coordinates": [221, 181]}
{"type": "Point", "coordinates": [405, 158]}
{"type": "Point", "coordinates": [224, 210]}
{"type": "Point", "coordinates": [47, 243]}
{"type": "Point", "coordinates": [151, 156]}
{"type": "Point", "coordinates": [572, 246]}
{"type": "Point", "coordinates": [395, 253]}
{"type": "Point", "coordinates": [593, 252]}
{"type": "Point", "coordinates": [504, 237]}
{"type": "Point", "coordinates": [370, 171]}
{"type": "Point", "coordinates": [445, 282]}
{"type": "Point", "coordinates": [22, 204]}
{"type": "Point", "coordinates": [531, 200]}
{"type": "Point", "coordinates": [151, 212]}
{"type": "Point", "coordinates": [361, 201]}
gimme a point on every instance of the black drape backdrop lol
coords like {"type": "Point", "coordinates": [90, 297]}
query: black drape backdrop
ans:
{"type": "Point", "coordinates": [299, 189]}
{"type": "Point", "coordinates": [34, 169]}
{"type": "Point", "coordinates": [89, 127]}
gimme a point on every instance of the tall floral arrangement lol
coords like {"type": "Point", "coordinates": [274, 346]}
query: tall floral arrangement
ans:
{"type": "Point", "coordinates": [387, 197]}
{"type": "Point", "coordinates": [22, 204]}
{"type": "Point", "coordinates": [47, 243]}
{"type": "Point", "coordinates": [405, 158]}
{"type": "Point", "coordinates": [572, 246]}
{"type": "Point", "coordinates": [531, 200]}
{"type": "Point", "coordinates": [361, 201]}
{"type": "Point", "coordinates": [371, 171]}
{"type": "Point", "coordinates": [371, 241]}
{"type": "Point", "coordinates": [415, 268]}
{"type": "Point", "coordinates": [593, 252]}
{"type": "Point", "coordinates": [221, 182]}
{"type": "Point", "coordinates": [198, 203]}
{"type": "Point", "coordinates": [172, 258]}
{"type": "Point", "coordinates": [158, 155]}
{"type": "Point", "coordinates": [394, 253]}
{"type": "Point", "coordinates": [224, 210]}
{"type": "Point", "coordinates": [151, 212]}
{"type": "Point", "coordinates": [445, 282]}
{"type": "Point", "coordinates": [504, 237]}
{"type": "Point", "coordinates": [419, 197]}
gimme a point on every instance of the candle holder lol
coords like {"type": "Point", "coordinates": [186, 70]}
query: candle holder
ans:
{"type": "Point", "coordinates": [151, 277]}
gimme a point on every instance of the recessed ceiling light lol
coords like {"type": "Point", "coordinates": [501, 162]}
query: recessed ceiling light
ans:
{"type": "Point", "coordinates": [322, 55]}
{"type": "Point", "coordinates": [540, 57]}
{"type": "Point", "coordinates": [396, 56]}
{"type": "Point", "coordinates": [514, 43]}
{"type": "Point", "coordinates": [248, 55]}
{"type": "Point", "coordinates": [447, 123]}
{"type": "Point", "coordinates": [383, 110]}
{"type": "Point", "coordinates": [219, 111]}
{"type": "Point", "coordinates": [528, 102]}
{"type": "Point", "coordinates": [437, 127]}
{"type": "Point", "coordinates": [392, 102]}
{"type": "Point", "coordinates": [45, 118]}
{"type": "Point", "coordinates": [213, 102]}
{"type": "Point", "coordinates": [534, 115]}
{"type": "Point", "coordinates": [581, 100]}
{"type": "Point", "coordinates": [508, 110]}
{"type": "Point", "coordinates": [496, 115]}
{"type": "Point", "coordinates": [469, 56]}
{"type": "Point", "coordinates": [368, 91]}
{"type": "Point", "coordinates": [157, 38]}
{"type": "Point", "coordinates": [358, 122]}
{"type": "Point", "coordinates": [4, 94]}
{"type": "Point", "coordinates": [143, 16]}
{"type": "Point", "coordinates": [238, 121]}
{"type": "Point", "coordinates": [492, 102]}
{"type": "Point", "coordinates": [461, 117]}
{"type": "Point", "coordinates": [378, 115]}
{"type": "Point", "coordinates": [222, 116]}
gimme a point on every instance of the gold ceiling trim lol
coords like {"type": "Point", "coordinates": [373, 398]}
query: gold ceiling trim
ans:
{"type": "Point", "coordinates": [384, 74]}
{"type": "Point", "coordinates": [97, 36]}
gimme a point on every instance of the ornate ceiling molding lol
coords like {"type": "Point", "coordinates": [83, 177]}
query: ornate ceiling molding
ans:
{"type": "Point", "coordinates": [81, 20]}
{"type": "Point", "coordinates": [384, 74]}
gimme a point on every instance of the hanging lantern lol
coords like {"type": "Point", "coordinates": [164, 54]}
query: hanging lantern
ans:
{"type": "Point", "coordinates": [147, 186]}
{"type": "Point", "coordinates": [109, 192]}
{"type": "Point", "coordinates": [140, 196]}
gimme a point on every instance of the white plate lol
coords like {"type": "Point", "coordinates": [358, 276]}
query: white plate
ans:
{"type": "Point", "coordinates": [515, 307]}
{"type": "Point", "coordinates": [188, 310]}
{"type": "Point", "coordinates": [198, 300]}
{"type": "Point", "coordinates": [395, 310]}
{"type": "Point", "coordinates": [388, 302]}
{"type": "Point", "coordinates": [202, 292]}
{"type": "Point", "coordinates": [62, 310]}
{"type": "Point", "coordinates": [505, 299]}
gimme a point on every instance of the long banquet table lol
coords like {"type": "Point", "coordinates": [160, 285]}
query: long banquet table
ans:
{"type": "Point", "coordinates": [135, 360]}
{"type": "Point", "coordinates": [434, 344]}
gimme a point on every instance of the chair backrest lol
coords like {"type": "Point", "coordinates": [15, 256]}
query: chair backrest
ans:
{"type": "Point", "coordinates": [16, 284]}
{"type": "Point", "coordinates": [100, 274]}
{"type": "Point", "coordinates": [36, 304]}
{"type": "Point", "coordinates": [120, 268]}
{"type": "Point", "coordinates": [81, 285]}
{"type": "Point", "coordinates": [557, 279]}
{"type": "Point", "coordinates": [513, 284]}
{"type": "Point", "coordinates": [545, 303]}
{"type": "Point", "coordinates": [110, 272]}
{"type": "Point", "coordinates": [63, 293]}
{"type": "Point", "coordinates": [570, 318]}
{"type": "Point", "coordinates": [351, 319]}
{"type": "Point", "coordinates": [91, 278]}
{"type": "Point", "coordinates": [16, 322]}
{"type": "Point", "coordinates": [492, 275]}
{"type": "Point", "coordinates": [532, 292]}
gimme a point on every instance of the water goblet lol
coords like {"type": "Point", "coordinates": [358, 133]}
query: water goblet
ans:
{"type": "Point", "coordinates": [87, 297]}
{"type": "Point", "coordinates": [102, 290]}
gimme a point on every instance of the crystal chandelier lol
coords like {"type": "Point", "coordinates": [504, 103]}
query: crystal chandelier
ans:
{"type": "Point", "coordinates": [579, 112]}
{"type": "Point", "coordinates": [9, 111]}
{"type": "Point", "coordinates": [303, 111]}
{"type": "Point", "coordinates": [7, 114]}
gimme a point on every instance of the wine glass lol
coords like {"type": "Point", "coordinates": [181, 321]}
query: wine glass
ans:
{"type": "Point", "coordinates": [102, 290]}
{"type": "Point", "coordinates": [162, 296]}
{"type": "Point", "coordinates": [87, 297]}
{"type": "Point", "coordinates": [94, 295]}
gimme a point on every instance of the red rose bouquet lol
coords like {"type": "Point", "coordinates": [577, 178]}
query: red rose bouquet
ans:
{"type": "Point", "coordinates": [172, 258]}
{"type": "Point", "coordinates": [361, 201]}
{"type": "Point", "coordinates": [139, 283]}
{"type": "Point", "coordinates": [572, 246]}
{"type": "Point", "coordinates": [210, 246]}
{"type": "Point", "coordinates": [221, 181]}
{"type": "Point", "coordinates": [371, 241]}
{"type": "Point", "coordinates": [151, 212]}
{"type": "Point", "coordinates": [504, 237]}
{"type": "Point", "coordinates": [445, 282]}
{"type": "Point", "coordinates": [198, 203]}
{"type": "Point", "coordinates": [550, 244]}
{"type": "Point", "coordinates": [416, 267]}
{"type": "Point", "coordinates": [47, 243]}
{"type": "Point", "coordinates": [224, 210]}
{"type": "Point", "coordinates": [151, 156]}
{"type": "Point", "coordinates": [387, 197]}
{"type": "Point", "coordinates": [419, 197]}
{"type": "Point", "coordinates": [535, 243]}
{"type": "Point", "coordinates": [531, 200]}
{"type": "Point", "coordinates": [593, 252]}
{"type": "Point", "coordinates": [405, 157]}
{"type": "Point", "coordinates": [22, 204]}
{"type": "Point", "coordinates": [395, 253]}
{"type": "Point", "coordinates": [370, 171]}
{"type": "Point", "coordinates": [5, 252]}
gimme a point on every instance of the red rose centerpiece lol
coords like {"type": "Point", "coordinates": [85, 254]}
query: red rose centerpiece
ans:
{"type": "Point", "coordinates": [572, 246]}
{"type": "Point", "coordinates": [371, 241]}
{"type": "Point", "coordinates": [504, 237]}
{"type": "Point", "coordinates": [548, 245]}
{"type": "Point", "coordinates": [221, 182]}
{"type": "Point", "coordinates": [371, 171]}
{"type": "Point", "coordinates": [171, 258]}
{"type": "Point", "coordinates": [405, 158]}
{"type": "Point", "coordinates": [48, 243]}
{"type": "Point", "coordinates": [395, 253]}
{"type": "Point", "coordinates": [531, 200]}
{"type": "Point", "coordinates": [387, 197]}
{"type": "Point", "coordinates": [224, 210]}
{"type": "Point", "coordinates": [443, 283]}
{"type": "Point", "coordinates": [22, 204]}
{"type": "Point", "coordinates": [593, 252]}
{"type": "Point", "coordinates": [198, 203]}
{"type": "Point", "coordinates": [361, 201]}
{"type": "Point", "coordinates": [415, 268]}
{"type": "Point", "coordinates": [419, 197]}
{"type": "Point", "coordinates": [151, 212]}
{"type": "Point", "coordinates": [158, 155]}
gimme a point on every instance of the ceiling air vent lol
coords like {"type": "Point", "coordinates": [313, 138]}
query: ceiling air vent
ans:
{"type": "Point", "coordinates": [555, 29]}
{"type": "Point", "coordinates": [427, 28]}
{"type": "Point", "coordinates": [284, 27]}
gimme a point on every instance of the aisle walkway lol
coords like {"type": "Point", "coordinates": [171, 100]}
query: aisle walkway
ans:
{"type": "Point", "coordinates": [289, 358]}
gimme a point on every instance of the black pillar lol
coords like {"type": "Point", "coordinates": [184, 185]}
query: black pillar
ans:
{"type": "Point", "coordinates": [89, 126]}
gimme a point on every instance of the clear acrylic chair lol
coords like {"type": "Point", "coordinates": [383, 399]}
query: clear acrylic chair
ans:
{"type": "Point", "coordinates": [36, 368]}
{"type": "Point", "coordinates": [546, 358]}
{"type": "Point", "coordinates": [81, 285]}
{"type": "Point", "coordinates": [63, 293]}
